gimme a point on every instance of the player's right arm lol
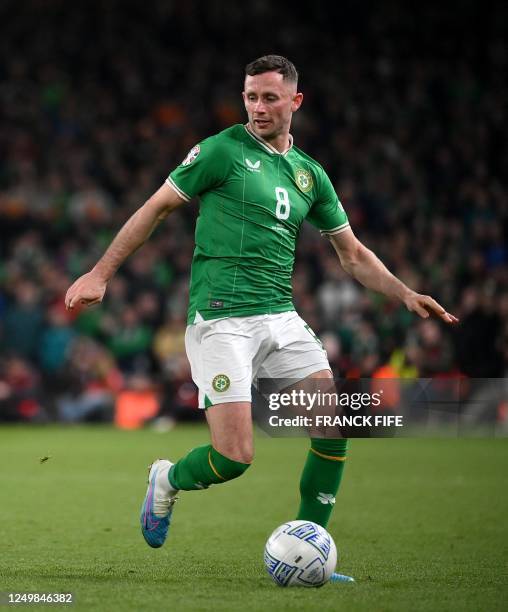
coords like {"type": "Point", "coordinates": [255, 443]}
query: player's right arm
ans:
{"type": "Point", "coordinates": [359, 261]}
{"type": "Point", "coordinates": [90, 288]}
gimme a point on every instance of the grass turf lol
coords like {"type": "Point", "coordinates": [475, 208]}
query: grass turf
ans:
{"type": "Point", "coordinates": [420, 523]}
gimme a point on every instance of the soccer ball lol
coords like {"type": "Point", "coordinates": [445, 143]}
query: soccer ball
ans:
{"type": "Point", "coordinates": [300, 553]}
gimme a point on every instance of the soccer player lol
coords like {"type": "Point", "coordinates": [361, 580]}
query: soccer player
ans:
{"type": "Point", "coordinates": [255, 190]}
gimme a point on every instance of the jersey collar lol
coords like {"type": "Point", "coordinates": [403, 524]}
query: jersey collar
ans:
{"type": "Point", "coordinates": [266, 145]}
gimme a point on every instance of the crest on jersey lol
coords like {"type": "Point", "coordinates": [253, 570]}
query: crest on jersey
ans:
{"type": "Point", "coordinates": [191, 155]}
{"type": "Point", "coordinates": [303, 180]}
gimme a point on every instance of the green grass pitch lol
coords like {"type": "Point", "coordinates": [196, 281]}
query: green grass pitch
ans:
{"type": "Point", "coordinates": [420, 523]}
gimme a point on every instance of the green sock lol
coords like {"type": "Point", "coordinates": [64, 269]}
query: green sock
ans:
{"type": "Point", "coordinates": [321, 478]}
{"type": "Point", "coordinates": [204, 466]}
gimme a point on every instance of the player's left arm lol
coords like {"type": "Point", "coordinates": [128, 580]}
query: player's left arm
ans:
{"type": "Point", "coordinates": [362, 264]}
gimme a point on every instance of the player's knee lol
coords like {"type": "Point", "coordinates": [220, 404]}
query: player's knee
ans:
{"type": "Point", "coordinates": [241, 454]}
{"type": "Point", "coordinates": [247, 457]}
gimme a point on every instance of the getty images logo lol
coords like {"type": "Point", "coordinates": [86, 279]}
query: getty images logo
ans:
{"type": "Point", "coordinates": [253, 166]}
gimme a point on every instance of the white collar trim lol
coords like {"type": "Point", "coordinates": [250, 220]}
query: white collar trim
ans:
{"type": "Point", "coordinates": [266, 145]}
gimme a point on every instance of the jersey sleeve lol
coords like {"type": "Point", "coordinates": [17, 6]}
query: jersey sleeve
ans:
{"type": "Point", "coordinates": [204, 168]}
{"type": "Point", "coordinates": [327, 213]}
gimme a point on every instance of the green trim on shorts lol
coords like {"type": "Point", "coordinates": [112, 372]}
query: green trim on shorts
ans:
{"type": "Point", "coordinates": [208, 403]}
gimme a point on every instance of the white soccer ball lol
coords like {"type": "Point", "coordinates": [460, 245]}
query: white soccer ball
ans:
{"type": "Point", "coordinates": [300, 553]}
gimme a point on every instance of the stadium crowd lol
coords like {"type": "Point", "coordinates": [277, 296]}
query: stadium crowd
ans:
{"type": "Point", "coordinates": [405, 108]}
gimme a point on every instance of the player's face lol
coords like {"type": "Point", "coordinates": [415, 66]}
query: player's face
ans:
{"type": "Point", "coordinates": [270, 102]}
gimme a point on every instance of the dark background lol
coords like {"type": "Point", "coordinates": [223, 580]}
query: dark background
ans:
{"type": "Point", "coordinates": [405, 106]}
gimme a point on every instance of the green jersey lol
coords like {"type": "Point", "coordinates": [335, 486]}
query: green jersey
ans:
{"type": "Point", "coordinates": [253, 201]}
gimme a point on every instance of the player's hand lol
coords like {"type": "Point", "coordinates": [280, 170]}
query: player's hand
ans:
{"type": "Point", "coordinates": [426, 306]}
{"type": "Point", "coordinates": [88, 290]}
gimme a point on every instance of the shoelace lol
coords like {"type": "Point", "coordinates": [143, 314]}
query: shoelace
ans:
{"type": "Point", "coordinates": [163, 506]}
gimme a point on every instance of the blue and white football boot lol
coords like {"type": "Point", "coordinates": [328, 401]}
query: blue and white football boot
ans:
{"type": "Point", "coordinates": [158, 504]}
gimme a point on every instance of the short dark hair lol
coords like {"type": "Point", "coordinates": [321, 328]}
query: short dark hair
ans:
{"type": "Point", "coordinates": [269, 63]}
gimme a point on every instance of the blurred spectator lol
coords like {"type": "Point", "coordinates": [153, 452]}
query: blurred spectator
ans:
{"type": "Point", "coordinates": [480, 342]}
{"type": "Point", "coordinates": [435, 349]}
{"type": "Point", "coordinates": [20, 392]}
{"type": "Point", "coordinates": [130, 341]}
{"type": "Point", "coordinates": [90, 382]}
{"type": "Point", "coordinates": [56, 339]}
{"type": "Point", "coordinates": [23, 321]}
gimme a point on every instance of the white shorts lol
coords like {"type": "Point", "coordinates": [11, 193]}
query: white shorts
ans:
{"type": "Point", "coordinates": [227, 355]}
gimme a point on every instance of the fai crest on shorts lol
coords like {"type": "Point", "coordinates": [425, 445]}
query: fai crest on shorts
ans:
{"type": "Point", "coordinates": [191, 155]}
{"type": "Point", "coordinates": [303, 180]}
{"type": "Point", "coordinates": [221, 383]}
